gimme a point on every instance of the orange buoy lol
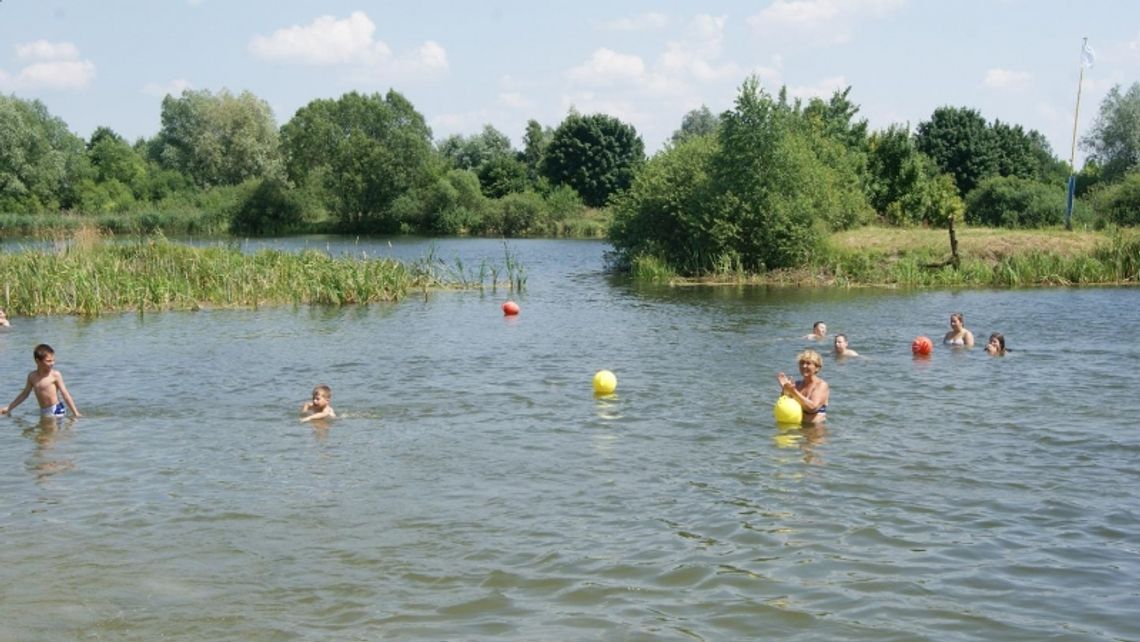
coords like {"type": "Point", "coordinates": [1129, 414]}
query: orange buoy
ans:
{"type": "Point", "coordinates": [510, 308]}
{"type": "Point", "coordinates": [922, 346]}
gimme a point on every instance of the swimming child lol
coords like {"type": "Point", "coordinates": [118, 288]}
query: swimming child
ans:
{"type": "Point", "coordinates": [841, 349]}
{"type": "Point", "coordinates": [958, 336]}
{"type": "Point", "coordinates": [320, 406]}
{"type": "Point", "coordinates": [48, 385]}
{"type": "Point", "coordinates": [996, 345]}
{"type": "Point", "coordinates": [4, 323]}
{"type": "Point", "coordinates": [811, 392]}
{"type": "Point", "coordinates": [818, 331]}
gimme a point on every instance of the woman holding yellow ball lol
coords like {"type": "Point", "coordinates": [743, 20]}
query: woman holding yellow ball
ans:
{"type": "Point", "coordinates": [811, 392]}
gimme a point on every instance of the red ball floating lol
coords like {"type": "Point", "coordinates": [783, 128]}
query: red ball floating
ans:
{"type": "Point", "coordinates": [922, 346]}
{"type": "Point", "coordinates": [510, 308]}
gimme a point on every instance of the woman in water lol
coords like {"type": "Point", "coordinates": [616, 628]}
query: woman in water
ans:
{"type": "Point", "coordinates": [958, 336]}
{"type": "Point", "coordinates": [811, 392]}
{"type": "Point", "coordinates": [996, 345]}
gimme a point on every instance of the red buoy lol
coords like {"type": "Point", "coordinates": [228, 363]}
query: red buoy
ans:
{"type": "Point", "coordinates": [510, 308]}
{"type": "Point", "coordinates": [922, 346]}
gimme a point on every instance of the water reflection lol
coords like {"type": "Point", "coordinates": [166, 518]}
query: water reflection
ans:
{"type": "Point", "coordinates": [806, 437]}
{"type": "Point", "coordinates": [45, 434]}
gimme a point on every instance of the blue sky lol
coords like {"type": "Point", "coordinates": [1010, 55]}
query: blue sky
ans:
{"type": "Point", "coordinates": [465, 64]}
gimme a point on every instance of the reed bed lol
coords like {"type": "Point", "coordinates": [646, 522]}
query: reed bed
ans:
{"type": "Point", "coordinates": [86, 275]}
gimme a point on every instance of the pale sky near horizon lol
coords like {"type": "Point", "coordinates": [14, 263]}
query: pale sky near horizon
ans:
{"type": "Point", "coordinates": [502, 62]}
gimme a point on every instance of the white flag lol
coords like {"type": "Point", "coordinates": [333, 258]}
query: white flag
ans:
{"type": "Point", "coordinates": [1087, 56]}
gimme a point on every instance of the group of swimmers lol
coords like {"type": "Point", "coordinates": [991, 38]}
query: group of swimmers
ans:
{"type": "Point", "coordinates": [812, 392]}
{"type": "Point", "coordinates": [55, 400]}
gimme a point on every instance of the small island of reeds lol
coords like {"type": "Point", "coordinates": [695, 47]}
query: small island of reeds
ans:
{"type": "Point", "coordinates": [89, 274]}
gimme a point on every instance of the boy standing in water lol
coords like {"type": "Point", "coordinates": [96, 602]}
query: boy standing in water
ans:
{"type": "Point", "coordinates": [320, 407]}
{"type": "Point", "coordinates": [48, 386]}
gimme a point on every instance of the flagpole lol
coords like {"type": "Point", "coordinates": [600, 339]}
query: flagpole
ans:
{"type": "Point", "coordinates": [1073, 150]}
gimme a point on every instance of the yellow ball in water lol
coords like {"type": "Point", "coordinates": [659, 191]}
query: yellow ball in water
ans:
{"type": "Point", "coordinates": [788, 410]}
{"type": "Point", "coordinates": [604, 383]}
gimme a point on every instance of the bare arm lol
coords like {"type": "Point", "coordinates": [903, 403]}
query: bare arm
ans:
{"type": "Point", "coordinates": [969, 338]}
{"type": "Point", "coordinates": [65, 394]}
{"type": "Point", "coordinates": [19, 398]}
{"type": "Point", "coordinates": [324, 414]}
{"type": "Point", "coordinates": [818, 398]}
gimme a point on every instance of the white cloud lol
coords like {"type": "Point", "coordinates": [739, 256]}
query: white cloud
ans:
{"type": "Point", "coordinates": [650, 21]}
{"type": "Point", "coordinates": [819, 21]}
{"type": "Point", "coordinates": [350, 43]}
{"type": "Point", "coordinates": [52, 65]}
{"type": "Point", "coordinates": [66, 74]}
{"type": "Point", "coordinates": [608, 66]}
{"type": "Point", "coordinates": [1007, 79]}
{"type": "Point", "coordinates": [428, 57]}
{"type": "Point", "coordinates": [173, 88]}
{"type": "Point", "coordinates": [325, 41]}
{"type": "Point", "coordinates": [44, 50]}
{"type": "Point", "coordinates": [697, 55]}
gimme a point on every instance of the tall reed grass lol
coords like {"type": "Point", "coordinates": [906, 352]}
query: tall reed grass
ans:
{"type": "Point", "coordinates": [87, 275]}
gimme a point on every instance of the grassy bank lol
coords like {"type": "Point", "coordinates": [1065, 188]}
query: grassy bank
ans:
{"type": "Point", "coordinates": [896, 257]}
{"type": "Point", "coordinates": [85, 274]}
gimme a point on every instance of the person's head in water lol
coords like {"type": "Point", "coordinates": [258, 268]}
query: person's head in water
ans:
{"type": "Point", "coordinates": [996, 344]}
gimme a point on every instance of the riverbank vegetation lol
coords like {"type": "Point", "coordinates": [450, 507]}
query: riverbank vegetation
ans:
{"type": "Point", "coordinates": [762, 189]}
{"type": "Point", "coordinates": [914, 257]}
{"type": "Point", "coordinates": [88, 275]}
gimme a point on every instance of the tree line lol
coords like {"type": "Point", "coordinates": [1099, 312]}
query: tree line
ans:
{"type": "Point", "coordinates": [757, 185]}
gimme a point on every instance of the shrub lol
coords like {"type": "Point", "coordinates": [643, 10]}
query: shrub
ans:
{"type": "Point", "coordinates": [1119, 202]}
{"type": "Point", "coordinates": [519, 213]}
{"type": "Point", "coordinates": [1008, 201]}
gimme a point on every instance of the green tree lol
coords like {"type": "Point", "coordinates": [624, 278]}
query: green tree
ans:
{"type": "Point", "coordinates": [1114, 142]}
{"type": "Point", "coordinates": [502, 175]}
{"type": "Point", "coordinates": [835, 119]}
{"type": "Point", "coordinates": [960, 143]}
{"type": "Point", "coordinates": [363, 151]}
{"type": "Point", "coordinates": [42, 162]}
{"type": "Point", "coordinates": [597, 155]}
{"type": "Point", "coordinates": [665, 213]}
{"type": "Point", "coordinates": [946, 209]}
{"type": "Point", "coordinates": [1025, 154]}
{"type": "Point", "coordinates": [898, 176]}
{"type": "Point", "coordinates": [535, 140]}
{"type": "Point", "coordinates": [472, 152]}
{"type": "Point", "coordinates": [759, 196]}
{"type": "Point", "coordinates": [113, 158]}
{"type": "Point", "coordinates": [779, 182]}
{"type": "Point", "coordinates": [696, 122]}
{"type": "Point", "coordinates": [218, 139]}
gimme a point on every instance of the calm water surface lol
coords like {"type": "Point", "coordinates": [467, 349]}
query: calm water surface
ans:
{"type": "Point", "coordinates": [476, 490]}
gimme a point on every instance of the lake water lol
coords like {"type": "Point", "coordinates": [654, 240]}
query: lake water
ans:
{"type": "Point", "coordinates": [475, 489]}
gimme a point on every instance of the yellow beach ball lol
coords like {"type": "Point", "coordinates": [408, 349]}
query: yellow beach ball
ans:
{"type": "Point", "coordinates": [604, 383]}
{"type": "Point", "coordinates": [788, 410]}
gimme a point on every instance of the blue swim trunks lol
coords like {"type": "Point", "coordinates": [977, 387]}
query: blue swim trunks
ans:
{"type": "Point", "coordinates": [58, 410]}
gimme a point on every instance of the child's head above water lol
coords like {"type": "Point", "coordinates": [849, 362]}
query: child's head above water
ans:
{"type": "Point", "coordinates": [322, 395]}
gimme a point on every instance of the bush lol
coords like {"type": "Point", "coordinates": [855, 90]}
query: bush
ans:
{"type": "Point", "coordinates": [563, 202]}
{"type": "Point", "coordinates": [519, 213]}
{"type": "Point", "coordinates": [272, 208]}
{"type": "Point", "coordinates": [1008, 201]}
{"type": "Point", "coordinates": [1119, 202]}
